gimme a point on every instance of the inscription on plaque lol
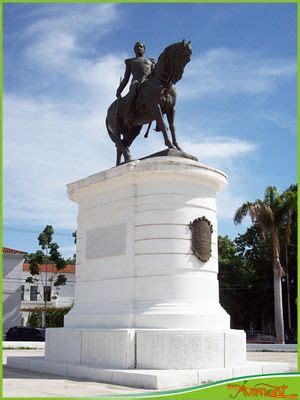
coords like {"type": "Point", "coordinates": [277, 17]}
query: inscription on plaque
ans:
{"type": "Point", "coordinates": [106, 242]}
{"type": "Point", "coordinates": [201, 238]}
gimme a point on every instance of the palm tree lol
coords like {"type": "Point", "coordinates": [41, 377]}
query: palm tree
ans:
{"type": "Point", "coordinates": [290, 197]}
{"type": "Point", "coordinates": [270, 214]}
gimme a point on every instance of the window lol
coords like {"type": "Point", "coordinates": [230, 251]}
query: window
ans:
{"type": "Point", "coordinates": [33, 293]}
{"type": "Point", "coordinates": [22, 292]}
{"type": "Point", "coordinates": [47, 293]}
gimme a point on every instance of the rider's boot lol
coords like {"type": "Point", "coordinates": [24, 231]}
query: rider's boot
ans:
{"type": "Point", "coordinates": [157, 128]}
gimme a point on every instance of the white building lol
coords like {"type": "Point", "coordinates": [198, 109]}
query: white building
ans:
{"type": "Point", "coordinates": [32, 293]}
{"type": "Point", "coordinates": [12, 280]}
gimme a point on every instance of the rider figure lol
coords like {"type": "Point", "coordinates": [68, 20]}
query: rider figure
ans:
{"type": "Point", "coordinates": [140, 68]}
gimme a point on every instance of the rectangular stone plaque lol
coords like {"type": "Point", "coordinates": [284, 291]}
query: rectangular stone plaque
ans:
{"type": "Point", "coordinates": [106, 242]}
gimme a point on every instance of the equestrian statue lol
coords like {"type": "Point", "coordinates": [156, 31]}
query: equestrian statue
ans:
{"type": "Point", "coordinates": [152, 94]}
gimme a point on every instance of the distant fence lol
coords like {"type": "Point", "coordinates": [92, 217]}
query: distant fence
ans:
{"type": "Point", "coordinates": [6, 345]}
{"type": "Point", "coordinates": [291, 348]}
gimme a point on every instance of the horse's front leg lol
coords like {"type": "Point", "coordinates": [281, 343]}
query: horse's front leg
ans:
{"type": "Point", "coordinates": [126, 152]}
{"type": "Point", "coordinates": [157, 115]}
{"type": "Point", "coordinates": [171, 118]}
{"type": "Point", "coordinates": [119, 155]}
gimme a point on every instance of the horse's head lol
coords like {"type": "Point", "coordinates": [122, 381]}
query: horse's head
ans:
{"type": "Point", "coordinates": [173, 60]}
{"type": "Point", "coordinates": [185, 49]}
{"type": "Point", "coordinates": [180, 51]}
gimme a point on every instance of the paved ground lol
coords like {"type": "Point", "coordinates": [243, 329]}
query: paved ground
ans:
{"type": "Point", "coordinates": [20, 383]}
{"type": "Point", "coordinates": [290, 358]}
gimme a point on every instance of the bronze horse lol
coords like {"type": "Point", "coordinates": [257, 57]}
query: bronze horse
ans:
{"type": "Point", "coordinates": [156, 97]}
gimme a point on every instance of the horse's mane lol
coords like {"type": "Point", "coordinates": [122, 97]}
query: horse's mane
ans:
{"type": "Point", "coordinates": [165, 54]}
{"type": "Point", "coordinates": [166, 57]}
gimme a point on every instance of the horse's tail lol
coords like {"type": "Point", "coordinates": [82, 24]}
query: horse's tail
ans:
{"type": "Point", "coordinates": [110, 120]}
{"type": "Point", "coordinates": [109, 128]}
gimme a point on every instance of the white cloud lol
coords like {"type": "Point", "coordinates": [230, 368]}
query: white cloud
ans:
{"type": "Point", "coordinates": [51, 51]}
{"type": "Point", "coordinates": [225, 72]}
{"type": "Point", "coordinates": [103, 73]}
{"type": "Point", "coordinates": [218, 148]}
{"type": "Point", "coordinates": [283, 120]}
{"type": "Point", "coordinates": [77, 20]}
{"type": "Point", "coordinates": [226, 154]}
{"type": "Point", "coordinates": [45, 148]}
{"type": "Point", "coordinates": [56, 137]}
{"type": "Point", "coordinates": [67, 251]}
{"type": "Point", "coordinates": [228, 202]}
{"type": "Point", "coordinates": [82, 18]}
{"type": "Point", "coordinates": [62, 48]}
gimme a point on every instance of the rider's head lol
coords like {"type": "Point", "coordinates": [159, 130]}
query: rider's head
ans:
{"type": "Point", "coordinates": [139, 48]}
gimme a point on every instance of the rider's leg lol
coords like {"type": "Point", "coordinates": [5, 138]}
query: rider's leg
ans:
{"type": "Point", "coordinates": [130, 105]}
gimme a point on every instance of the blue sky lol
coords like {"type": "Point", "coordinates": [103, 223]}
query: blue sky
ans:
{"type": "Point", "coordinates": [236, 108]}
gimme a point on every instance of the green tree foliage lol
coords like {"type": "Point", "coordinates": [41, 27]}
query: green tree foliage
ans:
{"type": "Point", "coordinates": [60, 280]}
{"type": "Point", "coordinates": [34, 319]}
{"type": "Point", "coordinates": [246, 281]}
{"type": "Point", "coordinates": [246, 271]}
{"type": "Point", "coordinates": [269, 215]}
{"type": "Point", "coordinates": [54, 317]}
{"type": "Point", "coordinates": [231, 276]}
{"type": "Point", "coordinates": [258, 298]}
{"type": "Point", "coordinates": [239, 282]}
{"type": "Point", "coordinates": [47, 255]}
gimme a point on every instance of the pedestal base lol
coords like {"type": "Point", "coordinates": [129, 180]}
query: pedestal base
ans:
{"type": "Point", "coordinates": [146, 348]}
{"type": "Point", "coordinates": [145, 379]}
{"type": "Point", "coordinates": [146, 358]}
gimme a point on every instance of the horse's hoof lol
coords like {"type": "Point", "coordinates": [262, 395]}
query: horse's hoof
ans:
{"type": "Point", "coordinates": [178, 147]}
{"type": "Point", "coordinates": [171, 146]}
{"type": "Point", "coordinates": [127, 156]}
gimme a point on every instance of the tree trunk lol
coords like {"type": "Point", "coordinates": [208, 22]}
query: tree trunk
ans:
{"type": "Point", "coordinates": [43, 319]}
{"type": "Point", "coordinates": [278, 309]}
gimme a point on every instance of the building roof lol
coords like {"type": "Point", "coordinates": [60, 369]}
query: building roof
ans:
{"type": "Point", "coordinates": [69, 269]}
{"type": "Point", "coordinates": [9, 250]}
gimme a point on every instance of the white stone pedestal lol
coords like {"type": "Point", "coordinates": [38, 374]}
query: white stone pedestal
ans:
{"type": "Point", "coordinates": [135, 267]}
{"type": "Point", "coordinates": [145, 305]}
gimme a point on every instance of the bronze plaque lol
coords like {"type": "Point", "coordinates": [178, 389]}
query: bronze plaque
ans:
{"type": "Point", "coordinates": [201, 238]}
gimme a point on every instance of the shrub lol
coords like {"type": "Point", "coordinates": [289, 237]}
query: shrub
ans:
{"type": "Point", "coordinates": [54, 317]}
{"type": "Point", "coordinates": [35, 318]}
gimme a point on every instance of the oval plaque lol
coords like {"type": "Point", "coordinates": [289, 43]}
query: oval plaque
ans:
{"type": "Point", "coordinates": [201, 238]}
